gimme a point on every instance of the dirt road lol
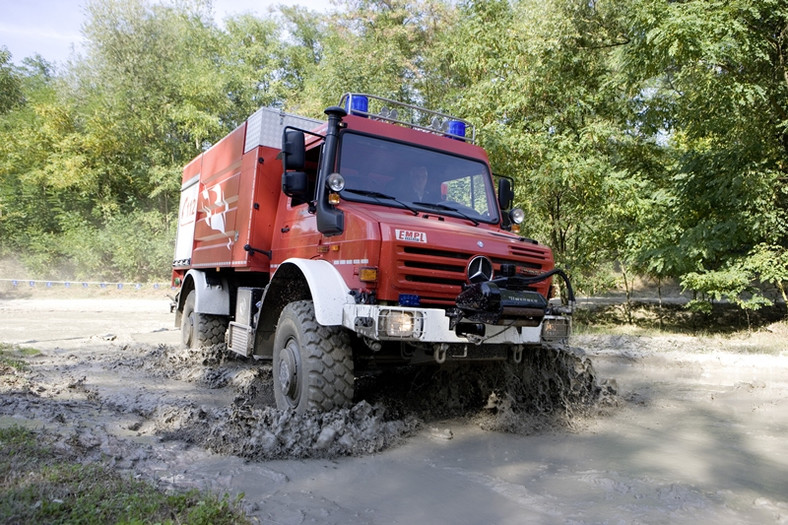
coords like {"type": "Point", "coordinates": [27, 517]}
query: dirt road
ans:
{"type": "Point", "coordinates": [697, 433]}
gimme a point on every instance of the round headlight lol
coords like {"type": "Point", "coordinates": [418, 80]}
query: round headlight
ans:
{"type": "Point", "coordinates": [517, 215]}
{"type": "Point", "coordinates": [336, 182]}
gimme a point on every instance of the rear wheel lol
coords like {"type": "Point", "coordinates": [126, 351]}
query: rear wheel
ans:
{"type": "Point", "coordinates": [313, 364]}
{"type": "Point", "coordinates": [199, 330]}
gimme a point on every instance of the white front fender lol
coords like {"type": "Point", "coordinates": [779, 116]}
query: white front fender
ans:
{"type": "Point", "coordinates": [329, 292]}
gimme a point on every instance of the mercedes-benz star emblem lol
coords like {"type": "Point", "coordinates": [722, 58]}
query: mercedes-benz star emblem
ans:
{"type": "Point", "coordinates": [480, 269]}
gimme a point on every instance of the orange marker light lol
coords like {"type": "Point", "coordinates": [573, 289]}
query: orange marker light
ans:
{"type": "Point", "coordinates": [368, 274]}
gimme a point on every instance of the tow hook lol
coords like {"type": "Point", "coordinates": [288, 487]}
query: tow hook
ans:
{"type": "Point", "coordinates": [517, 354]}
{"type": "Point", "coordinates": [440, 353]}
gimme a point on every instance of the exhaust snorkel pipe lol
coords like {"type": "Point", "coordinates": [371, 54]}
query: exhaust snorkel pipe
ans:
{"type": "Point", "coordinates": [330, 221]}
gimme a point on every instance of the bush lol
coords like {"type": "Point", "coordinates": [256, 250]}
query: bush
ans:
{"type": "Point", "coordinates": [733, 284]}
{"type": "Point", "coordinates": [133, 247]}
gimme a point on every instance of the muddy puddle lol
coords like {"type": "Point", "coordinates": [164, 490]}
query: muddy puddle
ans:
{"type": "Point", "coordinates": [225, 404]}
{"type": "Point", "coordinates": [686, 430]}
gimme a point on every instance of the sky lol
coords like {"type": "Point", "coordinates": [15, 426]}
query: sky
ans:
{"type": "Point", "coordinates": [52, 27]}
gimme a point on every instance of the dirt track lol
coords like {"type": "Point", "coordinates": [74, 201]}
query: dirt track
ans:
{"type": "Point", "coordinates": [697, 433]}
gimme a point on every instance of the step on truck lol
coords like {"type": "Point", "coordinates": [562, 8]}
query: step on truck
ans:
{"type": "Point", "coordinates": [378, 237]}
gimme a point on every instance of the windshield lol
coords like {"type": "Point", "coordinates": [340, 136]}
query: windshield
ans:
{"type": "Point", "coordinates": [400, 175]}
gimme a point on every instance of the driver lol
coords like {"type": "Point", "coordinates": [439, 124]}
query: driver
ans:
{"type": "Point", "coordinates": [418, 182]}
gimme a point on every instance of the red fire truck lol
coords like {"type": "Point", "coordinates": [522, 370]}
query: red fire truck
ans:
{"type": "Point", "coordinates": [376, 238]}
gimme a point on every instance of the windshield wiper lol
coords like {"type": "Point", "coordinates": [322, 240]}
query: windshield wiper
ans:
{"type": "Point", "coordinates": [380, 196]}
{"type": "Point", "coordinates": [443, 207]}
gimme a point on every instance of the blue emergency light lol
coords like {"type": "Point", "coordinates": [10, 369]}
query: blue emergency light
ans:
{"type": "Point", "coordinates": [457, 130]}
{"type": "Point", "coordinates": [357, 105]}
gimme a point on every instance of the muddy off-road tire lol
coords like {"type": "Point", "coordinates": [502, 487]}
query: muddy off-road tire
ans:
{"type": "Point", "coordinates": [313, 364]}
{"type": "Point", "coordinates": [200, 330]}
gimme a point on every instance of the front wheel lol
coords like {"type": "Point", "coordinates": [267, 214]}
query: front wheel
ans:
{"type": "Point", "coordinates": [313, 364]}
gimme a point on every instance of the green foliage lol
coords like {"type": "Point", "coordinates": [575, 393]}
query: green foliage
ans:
{"type": "Point", "coordinates": [22, 351]}
{"type": "Point", "coordinates": [10, 85]}
{"type": "Point", "coordinates": [770, 264]}
{"type": "Point", "coordinates": [136, 246]}
{"type": "Point", "coordinates": [716, 87]}
{"type": "Point", "coordinates": [645, 137]}
{"type": "Point", "coordinates": [369, 46]}
{"type": "Point", "coordinates": [717, 285]}
{"type": "Point", "coordinates": [732, 284]}
{"type": "Point", "coordinates": [90, 163]}
{"type": "Point", "coordinates": [9, 357]}
{"type": "Point", "coordinates": [535, 77]}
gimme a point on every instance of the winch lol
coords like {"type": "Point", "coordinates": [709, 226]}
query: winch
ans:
{"type": "Point", "coordinates": [502, 301]}
{"type": "Point", "coordinates": [506, 300]}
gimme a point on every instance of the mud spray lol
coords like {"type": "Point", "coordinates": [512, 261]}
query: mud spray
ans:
{"type": "Point", "coordinates": [552, 388]}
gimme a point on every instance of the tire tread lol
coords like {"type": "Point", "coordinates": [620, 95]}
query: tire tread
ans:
{"type": "Point", "coordinates": [330, 377]}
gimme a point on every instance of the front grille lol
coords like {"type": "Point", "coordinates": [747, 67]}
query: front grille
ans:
{"type": "Point", "coordinates": [438, 276]}
{"type": "Point", "coordinates": [525, 250]}
{"type": "Point", "coordinates": [497, 262]}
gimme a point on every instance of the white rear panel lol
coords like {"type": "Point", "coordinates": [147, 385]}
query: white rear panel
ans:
{"type": "Point", "coordinates": [186, 222]}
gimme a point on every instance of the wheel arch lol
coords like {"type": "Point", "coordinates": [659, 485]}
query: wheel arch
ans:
{"type": "Point", "coordinates": [298, 280]}
{"type": "Point", "coordinates": [212, 293]}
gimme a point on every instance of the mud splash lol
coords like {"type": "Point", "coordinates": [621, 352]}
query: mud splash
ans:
{"type": "Point", "coordinates": [267, 433]}
{"type": "Point", "coordinates": [551, 388]}
{"type": "Point", "coordinates": [225, 404]}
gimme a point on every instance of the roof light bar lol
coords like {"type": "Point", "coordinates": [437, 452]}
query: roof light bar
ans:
{"type": "Point", "coordinates": [408, 115]}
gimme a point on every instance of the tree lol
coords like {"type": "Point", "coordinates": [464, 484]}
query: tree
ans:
{"type": "Point", "coordinates": [371, 46]}
{"type": "Point", "coordinates": [29, 203]}
{"type": "Point", "coordinates": [536, 77]}
{"type": "Point", "coordinates": [714, 82]}
{"type": "Point", "coordinates": [106, 140]}
{"type": "Point", "coordinates": [10, 89]}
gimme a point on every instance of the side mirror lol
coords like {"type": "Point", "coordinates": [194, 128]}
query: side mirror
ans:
{"type": "Point", "coordinates": [294, 152]}
{"type": "Point", "coordinates": [295, 185]}
{"type": "Point", "coordinates": [505, 194]}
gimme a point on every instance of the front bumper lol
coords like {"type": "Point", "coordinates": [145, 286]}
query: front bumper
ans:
{"type": "Point", "coordinates": [432, 325]}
